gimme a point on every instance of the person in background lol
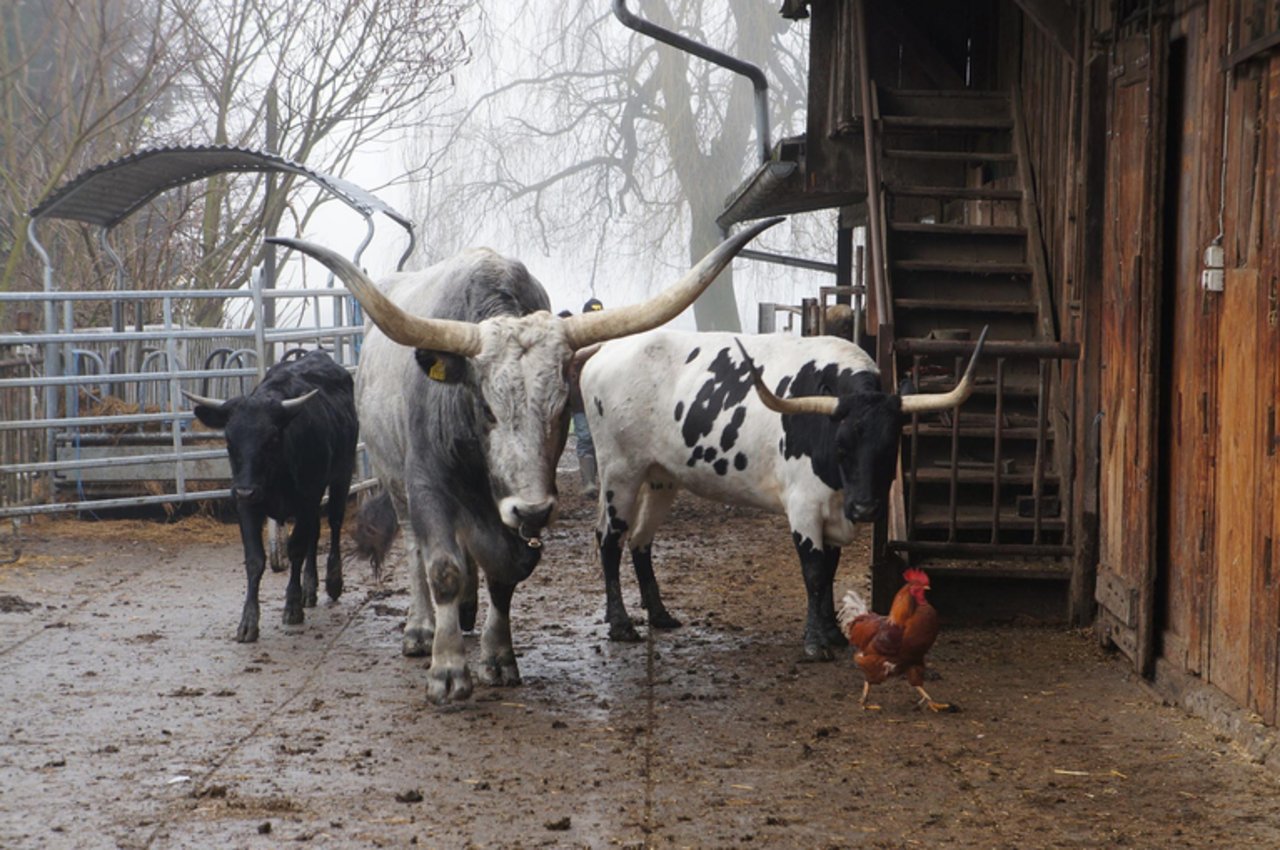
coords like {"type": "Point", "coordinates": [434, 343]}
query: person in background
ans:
{"type": "Point", "coordinates": [585, 449]}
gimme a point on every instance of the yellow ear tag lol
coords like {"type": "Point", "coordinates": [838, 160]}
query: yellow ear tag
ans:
{"type": "Point", "coordinates": [436, 372]}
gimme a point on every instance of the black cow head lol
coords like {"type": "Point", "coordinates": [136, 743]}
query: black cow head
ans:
{"type": "Point", "coordinates": [868, 429]}
{"type": "Point", "coordinates": [868, 433]}
{"type": "Point", "coordinates": [254, 427]}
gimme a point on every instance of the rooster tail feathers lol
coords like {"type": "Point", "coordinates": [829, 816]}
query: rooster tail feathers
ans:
{"type": "Point", "coordinates": [851, 607]}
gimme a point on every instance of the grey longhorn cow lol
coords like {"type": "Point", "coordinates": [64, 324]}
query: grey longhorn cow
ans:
{"type": "Point", "coordinates": [462, 397]}
{"type": "Point", "coordinates": [671, 411]}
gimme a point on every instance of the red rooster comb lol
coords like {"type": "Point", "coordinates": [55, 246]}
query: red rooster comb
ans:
{"type": "Point", "coordinates": [915, 576]}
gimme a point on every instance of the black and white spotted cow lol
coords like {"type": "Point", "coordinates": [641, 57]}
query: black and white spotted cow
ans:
{"type": "Point", "coordinates": [671, 411]}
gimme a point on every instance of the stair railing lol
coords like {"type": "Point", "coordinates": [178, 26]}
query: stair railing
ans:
{"type": "Point", "coordinates": [880, 308]}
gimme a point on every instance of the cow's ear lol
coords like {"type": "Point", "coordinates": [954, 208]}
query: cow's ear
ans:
{"type": "Point", "coordinates": [442, 366]}
{"type": "Point", "coordinates": [213, 417]}
{"type": "Point", "coordinates": [906, 387]}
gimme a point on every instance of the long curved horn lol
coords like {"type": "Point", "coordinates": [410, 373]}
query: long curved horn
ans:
{"type": "Point", "coordinates": [207, 402]}
{"type": "Point", "coordinates": [824, 404]}
{"type": "Point", "coordinates": [295, 403]}
{"type": "Point", "coordinates": [589, 328]}
{"type": "Point", "coordinates": [414, 331]}
{"type": "Point", "coordinates": [954, 398]}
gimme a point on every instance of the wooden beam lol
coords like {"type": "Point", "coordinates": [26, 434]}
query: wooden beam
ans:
{"type": "Point", "coordinates": [1056, 19]}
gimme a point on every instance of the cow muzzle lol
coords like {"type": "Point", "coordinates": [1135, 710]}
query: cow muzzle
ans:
{"type": "Point", "coordinates": [528, 519]}
{"type": "Point", "coordinates": [247, 495]}
{"type": "Point", "coordinates": [856, 511]}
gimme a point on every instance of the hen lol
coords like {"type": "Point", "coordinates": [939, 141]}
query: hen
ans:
{"type": "Point", "coordinates": [894, 645]}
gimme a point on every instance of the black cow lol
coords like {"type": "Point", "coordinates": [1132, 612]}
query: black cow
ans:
{"type": "Point", "coordinates": [289, 439]}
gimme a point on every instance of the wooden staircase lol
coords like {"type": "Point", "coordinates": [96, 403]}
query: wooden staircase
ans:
{"type": "Point", "coordinates": [982, 491]}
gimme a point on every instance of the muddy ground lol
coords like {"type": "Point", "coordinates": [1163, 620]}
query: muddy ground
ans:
{"type": "Point", "coordinates": [130, 717]}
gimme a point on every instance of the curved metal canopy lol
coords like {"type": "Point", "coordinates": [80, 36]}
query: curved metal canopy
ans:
{"type": "Point", "coordinates": [109, 193]}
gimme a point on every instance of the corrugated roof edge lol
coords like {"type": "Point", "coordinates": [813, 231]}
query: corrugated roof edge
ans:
{"type": "Point", "coordinates": [107, 194]}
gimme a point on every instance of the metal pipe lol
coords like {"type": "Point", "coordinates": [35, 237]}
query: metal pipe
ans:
{"type": "Point", "coordinates": [784, 260]}
{"type": "Point", "coordinates": [52, 364]}
{"type": "Point", "coordinates": [117, 308]}
{"type": "Point", "coordinates": [724, 60]}
{"type": "Point", "coordinates": [875, 209]}
{"type": "Point", "coordinates": [157, 294]}
{"type": "Point", "coordinates": [198, 333]}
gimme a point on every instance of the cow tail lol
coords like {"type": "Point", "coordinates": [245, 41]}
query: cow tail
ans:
{"type": "Point", "coordinates": [376, 528]}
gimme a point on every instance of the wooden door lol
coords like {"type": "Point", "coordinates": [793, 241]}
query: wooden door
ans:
{"type": "Point", "coordinates": [1243, 601]}
{"type": "Point", "coordinates": [1130, 296]}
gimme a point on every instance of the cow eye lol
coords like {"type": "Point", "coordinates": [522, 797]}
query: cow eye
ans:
{"type": "Point", "coordinates": [488, 412]}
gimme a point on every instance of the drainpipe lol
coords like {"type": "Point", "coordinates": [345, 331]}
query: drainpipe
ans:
{"type": "Point", "coordinates": [724, 60]}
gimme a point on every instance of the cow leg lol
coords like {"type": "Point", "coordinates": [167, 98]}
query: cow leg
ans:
{"type": "Point", "coordinates": [469, 604]}
{"type": "Point", "coordinates": [815, 566]}
{"type": "Point", "coordinates": [301, 591]}
{"type": "Point", "coordinates": [832, 635]}
{"type": "Point", "coordinates": [448, 679]}
{"type": "Point", "coordinates": [333, 566]}
{"type": "Point", "coordinates": [614, 520]}
{"type": "Point", "coordinates": [420, 625]}
{"type": "Point", "coordinates": [498, 656]}
{"type": "Point", "coordinates": [655, 505]}
{"type": "Point", "coordinates": [255, 563]}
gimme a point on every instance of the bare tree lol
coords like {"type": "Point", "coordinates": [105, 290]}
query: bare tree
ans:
{"type": "Point", "coordinates": [327, 78]}
{"type": "Point", "coordinates": [79, 83]}
{"type": "Point", "coordinates": [591, 134]}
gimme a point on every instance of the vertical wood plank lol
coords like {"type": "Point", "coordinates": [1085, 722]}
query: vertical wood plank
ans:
{"type": "Point", "coordinates": [1237, 485]}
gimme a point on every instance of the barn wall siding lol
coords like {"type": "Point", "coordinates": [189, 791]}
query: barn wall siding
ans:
{"type": "Point", "coordinates": [1188, 380]}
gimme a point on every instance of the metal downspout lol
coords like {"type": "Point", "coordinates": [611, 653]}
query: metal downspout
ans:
{"type": "Point", "coordinates": [724, 60]}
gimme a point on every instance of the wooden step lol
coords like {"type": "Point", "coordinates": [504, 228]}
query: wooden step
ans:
{"type": "Point", "coordinates": [937, 517]}
{"type": "Point", "coordinates": [934, 124]}
{"type": "Point", "coordinates": [957, 94]}
{"type": "Point", "coordinates": [1012, 389]}
{"type": "Point", "coordinates": [930, 430]}
{"type": "Point", "coordinates": [1038, 570]}
{"type": "Point", "coordinates": [942, 475]}
{"type": "Point", "coordinates": [949, 229]}
{"type": "Point", "coordinates": [962, 193]}
{"type": "Point", "coordinates": [962, 267]}
{"type": "Point", "coordinates": [960, 306]}
{"type": "Point", "coordinates": [950, 156]}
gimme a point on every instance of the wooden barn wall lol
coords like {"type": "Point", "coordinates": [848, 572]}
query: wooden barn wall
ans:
{"type": "Point", "coordinates": [1046, 89]}
{"type": "Point", "coordinates": [1049, 87]}
{"type": "Point", "coordinates": [1217, 605]}
{"type": "Point", "coordinates": [1242, 629]}
{"type": "Point", "coordinates": [1189, 380]}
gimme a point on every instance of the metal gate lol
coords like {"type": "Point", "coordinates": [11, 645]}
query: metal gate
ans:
{"type": "Point", "coordinates": [93, 418]}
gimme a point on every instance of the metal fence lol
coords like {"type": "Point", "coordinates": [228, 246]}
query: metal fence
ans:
{"type": "Point", "coordinates": [93, 418]}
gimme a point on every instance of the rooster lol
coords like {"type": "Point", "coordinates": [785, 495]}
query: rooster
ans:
{"type": "Point", "coordinates": [894, 645]}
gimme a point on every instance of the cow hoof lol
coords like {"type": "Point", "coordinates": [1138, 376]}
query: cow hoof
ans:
{"type": "Point", "coordinates": [416, 642]}
{"type": "Point", "coordinates": [499, 672]}
{"type": "Point", "coordinates": [247, 633]}
{"type": "Point", "coordinates": [333, 587]}
{"type": "Point", "coordinates": [448, 685]}
{"type": "Point", "coordinates": [813, 653]}
{"type": "Point", "coordinates": [664, 620]}
{"type": "Point", "coordinates": [834, 638]}
{"type": "Point", "coordinates": [624, 633]}
{"type": "Point", "coordinates": [309, 599]}
{"type": "Point", "coordinates": [293, 616]}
